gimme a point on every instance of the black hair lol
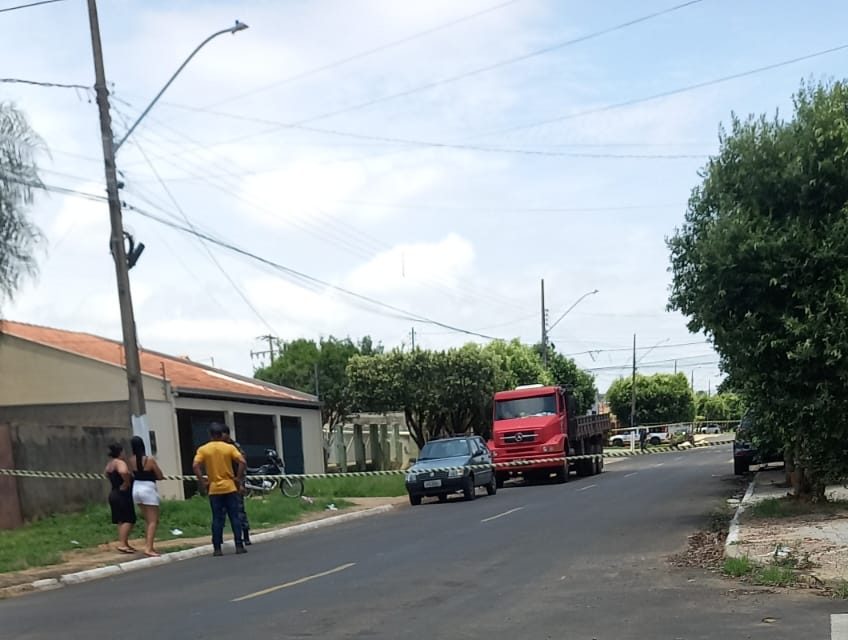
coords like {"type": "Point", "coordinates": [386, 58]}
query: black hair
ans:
{"type": "Point", "coordinates": [115, 450]}
{"type": "Point", "coordinates": [216, 429]}
{"type": "Point", "coordinates": [137, 446]}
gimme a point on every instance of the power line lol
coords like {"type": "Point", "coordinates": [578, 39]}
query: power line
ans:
{"type": "Point", "coordinates": [500, 63]}
{"type": "Point", "coordinates": [364, 54]}
{"type": "Point", "coordinates": [665, 94]}
{"type": "Point", "coordinates": [397, 312]}
{"type": "Point", "coordinates": [336, 227]}
{"type": "Point", "coordinates": [27, 6]}
{"type": "Point", "coordinates": [276, 125]}
{"type": "Point", "coordinates": [37, 83]}
{"type": "Point", "coordinates": [407, 315]}
{"type": "Point", "coordinates": [661, 346]}
{"type": "Point", "coordinates": [208, 251]}
{"type": "Point", "coordinates": [668, 362]}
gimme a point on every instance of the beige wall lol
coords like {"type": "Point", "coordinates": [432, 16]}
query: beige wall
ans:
{"type": "Point", "coordinates": [35, 374]}
{"type": "Point", "coordinates": [313, 447]}
{"type": "Point", "coordinates": [163, 422]}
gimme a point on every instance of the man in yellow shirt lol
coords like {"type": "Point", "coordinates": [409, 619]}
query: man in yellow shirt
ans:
{"type": "Point", "coordinates": [218, 458]}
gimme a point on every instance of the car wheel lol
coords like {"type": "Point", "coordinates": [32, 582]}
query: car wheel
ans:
{"type": "Point", "coordinates": [617, 443]}
{"type": "Point", "coordinates": [492, 487]}
{"type": "Point", "coordinates": [443, 497]}
{"type": "Point", "coordinates": [655, 441]}
{"type": "Point", "coordinates": [468, 488]}
{"type": "Point", "coordinates": [740, 466]}
{"type": "Point", "coordinates": [414, 500]}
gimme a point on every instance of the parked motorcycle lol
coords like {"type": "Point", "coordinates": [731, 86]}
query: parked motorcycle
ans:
{"type": "Point", "coordinates": [290, 487]}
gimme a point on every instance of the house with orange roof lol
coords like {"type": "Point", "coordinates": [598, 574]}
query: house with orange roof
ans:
{"type": "Point", "coordinates": [63, 398]}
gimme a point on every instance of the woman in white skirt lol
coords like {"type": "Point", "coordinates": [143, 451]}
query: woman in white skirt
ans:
{"type": "Point", "coordinates": [146, 473]}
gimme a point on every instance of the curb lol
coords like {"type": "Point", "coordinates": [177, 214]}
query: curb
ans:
{"type": "Point", "coordinates": [731, 544]}
{"type": "Point", "coordinates": [88, 575]}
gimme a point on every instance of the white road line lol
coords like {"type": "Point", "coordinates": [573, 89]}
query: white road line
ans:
{"type": "Point", "coordinates": [677, 458]}
{"type": "Point", "coordinates": [587, 487]}
{"type": "Point", "coordinates": [631, 474]}
{"type": "Point", "coordinates": [839, 626]}
{"type": "Point", "coordinates": [294, 583]}
{"type": "Point", "coordinates": [501, 515]}
{"type": "Point", "coordinates": [659, 464]}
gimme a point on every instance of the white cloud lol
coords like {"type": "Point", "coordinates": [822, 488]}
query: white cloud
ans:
{"type": "Point", "coordinates": [406, 267]}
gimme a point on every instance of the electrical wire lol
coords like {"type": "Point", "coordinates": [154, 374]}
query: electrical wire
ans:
{"type": "Point", "coordinates": [665, 94]}
{"type": "Point", "coordinates": [27, 6]}
{"type": "Point", "coordinates": [206, 248]}
{"type": "Point", "coordinates": [299, 276]}
{"type": "Point", "coordinates": [364, 54]}
{"type": "Point", "coordinates": [332, 227]}
{"type": "Point", "coordinates": [500, 63]}
{"type": "Point", "coordinates": [661, 346]}
{"type": "Point", "coordinates": [37, 83]}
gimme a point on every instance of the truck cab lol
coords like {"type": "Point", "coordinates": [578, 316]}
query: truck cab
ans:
{"type": "Point", "coordinates": [535, 429]}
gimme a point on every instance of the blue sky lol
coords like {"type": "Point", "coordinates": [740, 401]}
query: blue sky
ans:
{"type": "Point", "coordinates": [459, 235]}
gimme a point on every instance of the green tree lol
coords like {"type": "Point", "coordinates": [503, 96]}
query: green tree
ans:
{"type": "Point", "coordinates": [761, 265]}
{"type": "Point", "coordinates": [660, 398]}
{"type": "Point", "coordinates": [516, 364]}
{"type": "Point", "coordinates": [581, 384]}
{"type": "Point", "coordinates": [18, 179]}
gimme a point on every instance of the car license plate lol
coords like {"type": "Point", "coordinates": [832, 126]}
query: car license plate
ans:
{"type": "Point", "coordinates": [429, 484]}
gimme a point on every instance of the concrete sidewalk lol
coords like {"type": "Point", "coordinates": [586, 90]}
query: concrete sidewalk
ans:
{"type": "Point", "coordinates": [817, 540]}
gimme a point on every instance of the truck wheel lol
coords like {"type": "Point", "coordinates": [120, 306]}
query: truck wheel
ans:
{"type": "Point", "coordinates": [740, 467]}
{"type": "Point", "coordinates": [468, 488]}
{"type": "Point", "coordinates": [500, 479]}
{"type": "Point", "coordinates": [492, 487]}
{"type": "Point", "coordinates": [414, 500]}
{"type": "Point", "coordinates": [599, 464]}
{"type": "Point", "coordinates": [443, 497]}
{"type": "Point", "coordinates": [562, 474]}
{"type": "Point", "coordinates": [655, 441]}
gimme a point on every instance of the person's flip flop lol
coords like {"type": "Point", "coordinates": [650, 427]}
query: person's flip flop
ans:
{"type": "Point", "coordinates": [151, 554]}
{"type": "Point", "coordinates": [126, 549]}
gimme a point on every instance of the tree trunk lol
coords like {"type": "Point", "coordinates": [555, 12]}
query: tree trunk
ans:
{"type": "Point", "coordinates": [805, 487]}
{"type": "Point", "coordinates": [414, 428]}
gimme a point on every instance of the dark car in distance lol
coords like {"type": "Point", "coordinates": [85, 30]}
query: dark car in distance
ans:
{"type": "Point", "coordinates": [451, 465]}
{"type": "Point", "coordinates": [746, 453]}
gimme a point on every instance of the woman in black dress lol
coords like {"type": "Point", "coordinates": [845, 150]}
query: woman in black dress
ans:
{"type": "Point", "coordinates": [120, 498]}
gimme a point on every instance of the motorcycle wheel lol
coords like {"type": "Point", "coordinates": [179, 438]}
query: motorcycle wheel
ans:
{"type": "Point", "coordinates": [292, 487]}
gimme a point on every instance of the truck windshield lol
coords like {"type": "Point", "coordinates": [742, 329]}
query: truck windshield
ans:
{"type": "Point", "coordinates": [525, 407]}
{"type": "Point", "coordinates": [444, 449]}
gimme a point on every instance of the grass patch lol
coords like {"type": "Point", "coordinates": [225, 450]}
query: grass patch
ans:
{"type": "Point", "coordinates": [774, 576]}
{"type": "Point", "coordinates": [789, 507]}
{"type": "Point", "coordinates": [841, 590]}
{"type": "Point", "coordinates": [353, 487]}
{"type": "Point", "coordinates": [43, 542]}
{"type": "Point", "coordinates": [738, 567]}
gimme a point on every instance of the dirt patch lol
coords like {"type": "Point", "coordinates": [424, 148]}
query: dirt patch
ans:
{"type": "Point", "coordinates": [105, 555]}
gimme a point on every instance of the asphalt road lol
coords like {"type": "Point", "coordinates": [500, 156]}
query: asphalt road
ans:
{"type": "Point", "coordinates": [583, 560]}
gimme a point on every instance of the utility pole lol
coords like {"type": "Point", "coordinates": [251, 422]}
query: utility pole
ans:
{"type": "Point", "coordinates": [412, 335]}
{"type": "Point", "coordinates": [693, 379]}
{"type": "Point", "coordinates": [317, 388]}
{"type": "Point", "coordinates": [633, 388]}
{"type": "Point", "coordinates": [544, 328]}
{"type": "Point", "coordinates": [675, 367]}
{"type": "Point", "coordinates": [138, 411]}
{"type": "Point", "coordinates": [271, 339]}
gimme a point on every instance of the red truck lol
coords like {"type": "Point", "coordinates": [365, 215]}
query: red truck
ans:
{"type": "Point", "coordinates": [534, 423]}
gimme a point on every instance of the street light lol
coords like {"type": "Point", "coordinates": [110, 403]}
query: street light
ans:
{"type": "Point", "coordinates": [578, 301]}
{"type": "Point", "coordinates": [137, 406]}
{"type": "Point", "coordinates": [238, 26]}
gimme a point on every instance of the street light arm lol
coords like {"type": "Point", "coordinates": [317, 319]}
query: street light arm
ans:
{"type": "Point", "coordinates": [239, 26]}
{"type": "Point", "coordinates": [578, 301]}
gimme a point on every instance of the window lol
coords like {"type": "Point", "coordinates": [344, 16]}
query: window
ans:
{"type": "Point", "coordinates": [526, 407]}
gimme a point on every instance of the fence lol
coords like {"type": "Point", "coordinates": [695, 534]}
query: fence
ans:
{"type": "Point", "coordinates": [370, 443]}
